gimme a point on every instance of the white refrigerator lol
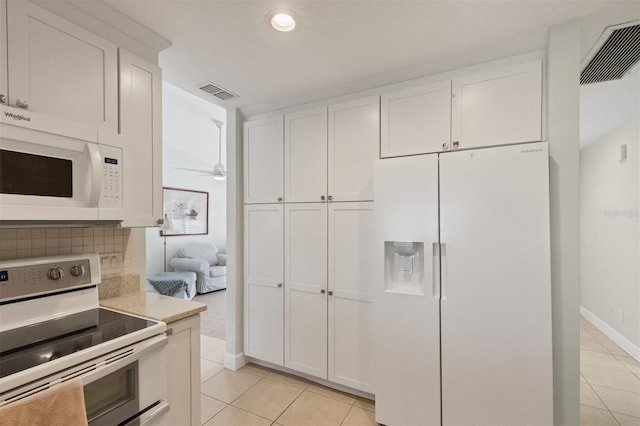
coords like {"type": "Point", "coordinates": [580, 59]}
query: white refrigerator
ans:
{"type": "Point", "coordinates": [463, 296]}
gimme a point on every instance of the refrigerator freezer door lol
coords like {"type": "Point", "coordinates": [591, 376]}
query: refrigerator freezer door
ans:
{"type": "Point", "coordinates": [496, 318]}
{"type": "Point", "coordinates": [406, 296]}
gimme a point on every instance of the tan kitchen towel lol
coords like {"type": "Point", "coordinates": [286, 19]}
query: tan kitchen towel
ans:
{"type": "Point", "coordinates": [62, 404]}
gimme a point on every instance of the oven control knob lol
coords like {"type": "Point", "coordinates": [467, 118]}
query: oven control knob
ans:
{"type": "Point", "coordinates": [55, 273]}
{"type": "Point", "coordinates": [77, 270]}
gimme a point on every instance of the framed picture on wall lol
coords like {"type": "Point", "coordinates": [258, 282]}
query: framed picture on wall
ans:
{"type": "Point", "coordinates": [186, 212]}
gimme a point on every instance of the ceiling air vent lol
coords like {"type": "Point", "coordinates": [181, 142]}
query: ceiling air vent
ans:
{"type": "Point", "coordinates": [615, 54]}
{"type": "Point", "coordinates": [216, 91]}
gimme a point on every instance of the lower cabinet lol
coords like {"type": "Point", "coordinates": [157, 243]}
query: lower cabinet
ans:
{"type": "Point", "coordinates": [263, 277]}
{"type": "Point", "coordinates": [318, 295]}
{"type": "Point", "coordinates": [183, 371]}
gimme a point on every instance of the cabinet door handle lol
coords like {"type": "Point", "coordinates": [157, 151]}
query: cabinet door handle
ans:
{"type": "Point", "coordinates": [279, 198]}
{"type": "Point", "coordinates": [3, 99]}
{"type": "Point", "coordinates": [330, 293]}
{"type": "Point", "coordinates": [279, 285]}
{"type": "Point", "coordinates": [323, 291]}
{"type": "Point", "coordinates": [445, 145]}
{"type": "Point", "coordinates": [322, 198]}
{"type": "Point", "coordinates": [330, 197]}
{"type": "Point", "coordinates": [22, 103]}
{"type": "Point", "coordinates": [456, 144]}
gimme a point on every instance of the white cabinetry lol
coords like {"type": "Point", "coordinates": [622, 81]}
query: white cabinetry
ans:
{"type": "Point", "coordinates": [59, 69]}
{"type": "Point", "coordinates": [499, 106]}
{"type": "Point", "coordinates": [354, 140]}
{"type": "Point", "coordinates": [263, 277]}
{"type": "Point", "coordinates": [183, 371]}
{"type": "Point", "coordinates": [350, 288]}
{"type": "Point", "coordinates": [494, 107]}
{"type": "Point", "coordinates": [306, 288]}
{"type": "Point", "coordinates": [3, 53]}
{"type": "Point", "coordinates": [140, 119]}
{"type": "Point", "coordinates": [263, 161]}
{"type": "Point", "coordinates": [416, 120]}
{"type": "Point", "coordinates": [305, 156]}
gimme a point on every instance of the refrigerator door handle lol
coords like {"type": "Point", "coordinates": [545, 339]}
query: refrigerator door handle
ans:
{"type": "Point", "coordinates": [436, 270]}
{"type": "Point", "coordinates": [443, 271]}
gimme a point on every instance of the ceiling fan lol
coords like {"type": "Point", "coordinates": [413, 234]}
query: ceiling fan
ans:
{"type": "Point", "coordinates": [218, 172]}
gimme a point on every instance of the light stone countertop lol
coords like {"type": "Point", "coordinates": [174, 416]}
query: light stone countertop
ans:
{"type": "Point", "coordinates": [155, 306]}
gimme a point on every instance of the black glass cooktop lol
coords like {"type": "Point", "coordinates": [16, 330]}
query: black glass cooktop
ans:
{"type": "Point", "coordinates": [37, 344]}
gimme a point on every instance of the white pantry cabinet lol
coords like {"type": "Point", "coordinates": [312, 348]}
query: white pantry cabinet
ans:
{"type": "Point", "coordinates": [141, 120]}
{"type": "Point", "coordinates": [415, 120]}
{"type": "Point", "coordinates": [60, 69]}
{"type": "Point", "coordinates": [263, 160]}
{"type": "Point", "coordinates": [305, 315]}
{"type": "Point", "coordinates": [354, 141]}
{"type": "Point", "coordinates": [263, 277]}
{"type": "Point", "coordinates": [183, 371]}
{"type": "Point", "coordinates": [350, 289]}
{"type": "Point", "coordinates": [305, 156]}
{"type": "Point", "coordinates": [498, 106]}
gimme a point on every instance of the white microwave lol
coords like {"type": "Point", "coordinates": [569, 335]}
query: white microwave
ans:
{"type": "Point", "coordinates": [51, 170]}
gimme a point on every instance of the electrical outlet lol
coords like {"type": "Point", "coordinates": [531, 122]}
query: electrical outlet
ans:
{"type": "Point", "coordinates": [111, 263]}
{"type": "Point", "coordinates": [621, 315]}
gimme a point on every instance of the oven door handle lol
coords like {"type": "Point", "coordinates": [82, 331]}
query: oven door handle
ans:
{"type": "Point", "coordinates": [147, 416]}
{"type": "Point", "coordinates": [152, 344]}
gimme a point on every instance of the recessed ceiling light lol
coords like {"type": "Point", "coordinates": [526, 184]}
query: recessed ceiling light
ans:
{"type": "Point", "coordinates": [281, 20]}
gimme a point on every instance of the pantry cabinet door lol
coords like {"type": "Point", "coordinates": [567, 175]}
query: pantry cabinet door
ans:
{"type": "Point", "coordinates": [141, 121]}
{"type": "Point", "coordinates": [263, 160]}
{"type": "Point", "coordinates": [60, 69]}
{"type": "Point", "coordinates": [263, 269]}
{"type": "Point", "coordinates": [354, 140]}
{"type": "Point", "coordinates": [305, 156]}
{"type": "Point", "coordinates": [415, 120]}
{"type": "Point", "coordinates": [496, 107]}
{"type": "Point", "coordinates": [351, 286]}
{"type": "Point", "coordinates": [3, 53]}
{"type": "Point", "coordinates": [306, 288]}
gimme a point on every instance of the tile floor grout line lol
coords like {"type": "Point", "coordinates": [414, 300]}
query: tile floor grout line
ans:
{"type": "Point", "coordinates": [287, 407]}
{"type": "Point", "coordinates": [598, 396]}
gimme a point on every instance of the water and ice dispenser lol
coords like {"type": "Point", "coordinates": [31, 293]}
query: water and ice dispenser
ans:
{"type": "Point", "coordinates": [404, 267]}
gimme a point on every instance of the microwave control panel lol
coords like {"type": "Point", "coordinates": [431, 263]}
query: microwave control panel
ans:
{"type": "Point", "coordinates": [111, 197]}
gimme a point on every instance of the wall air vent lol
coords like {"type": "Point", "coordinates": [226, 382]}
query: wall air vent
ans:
{"type": "Point", "coordinates": [616, 54]}
{"type": "Point", "coordinates": [216, 91]}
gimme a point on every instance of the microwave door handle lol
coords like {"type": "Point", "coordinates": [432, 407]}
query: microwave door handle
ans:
{"type": "Point", "coordinates": [97, 174]}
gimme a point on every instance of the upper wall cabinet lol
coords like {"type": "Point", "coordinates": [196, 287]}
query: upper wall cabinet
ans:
{"type": "Point", "coordinates": [263, 161]}
{"type": "Point", "coordinates": [3, 53]}
{"type": "Point", "coordinates": [59, 69]}
{"type": "Point", "coordinates": [305, 156]}
{"type": "Point", "coordinates": [141, 121]}
{"type": "Point", "coordinates": [416, 120]}
{"type": "Point", "coordinates": [354, 138]}
{"type": "Point", "coordinates": [498, 106]}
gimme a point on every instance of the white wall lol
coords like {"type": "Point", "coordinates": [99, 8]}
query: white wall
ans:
{"type": "Point", "coordinates": [609, 247]}
{"type": "Point", "coordinates": [563, 104]}
{"type": "Point", "coordinates": [190, 140]}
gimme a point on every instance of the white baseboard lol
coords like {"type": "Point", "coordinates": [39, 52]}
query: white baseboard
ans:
{"type": "Point", "coordinates": [611, 333]}
{"type": "Point", "coordinates": [234, 362]}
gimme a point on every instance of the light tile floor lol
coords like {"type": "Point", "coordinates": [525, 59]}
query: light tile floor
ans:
{"type": "Point", "coordinates": [212, 321]}
{"type": "Point", "coordinates": [255, 395]}
{"type": "Point", "coordinates": [609, 381]}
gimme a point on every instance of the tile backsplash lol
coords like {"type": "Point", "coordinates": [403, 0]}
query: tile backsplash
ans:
{"type": "Point", "coordinates": [18, 243]}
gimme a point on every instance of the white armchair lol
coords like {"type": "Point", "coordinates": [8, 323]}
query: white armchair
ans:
{"type": "Point", "coordinates": [209, 265]}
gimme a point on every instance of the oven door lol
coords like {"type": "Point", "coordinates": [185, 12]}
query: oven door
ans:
{"type": "Point", "coordinates": [125, 387]}
{"type": "Point", "coordinates": [48, 170]}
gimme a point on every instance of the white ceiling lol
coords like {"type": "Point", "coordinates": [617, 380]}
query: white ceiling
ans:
{"type": "Point", "coordinates": [342, 46]}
